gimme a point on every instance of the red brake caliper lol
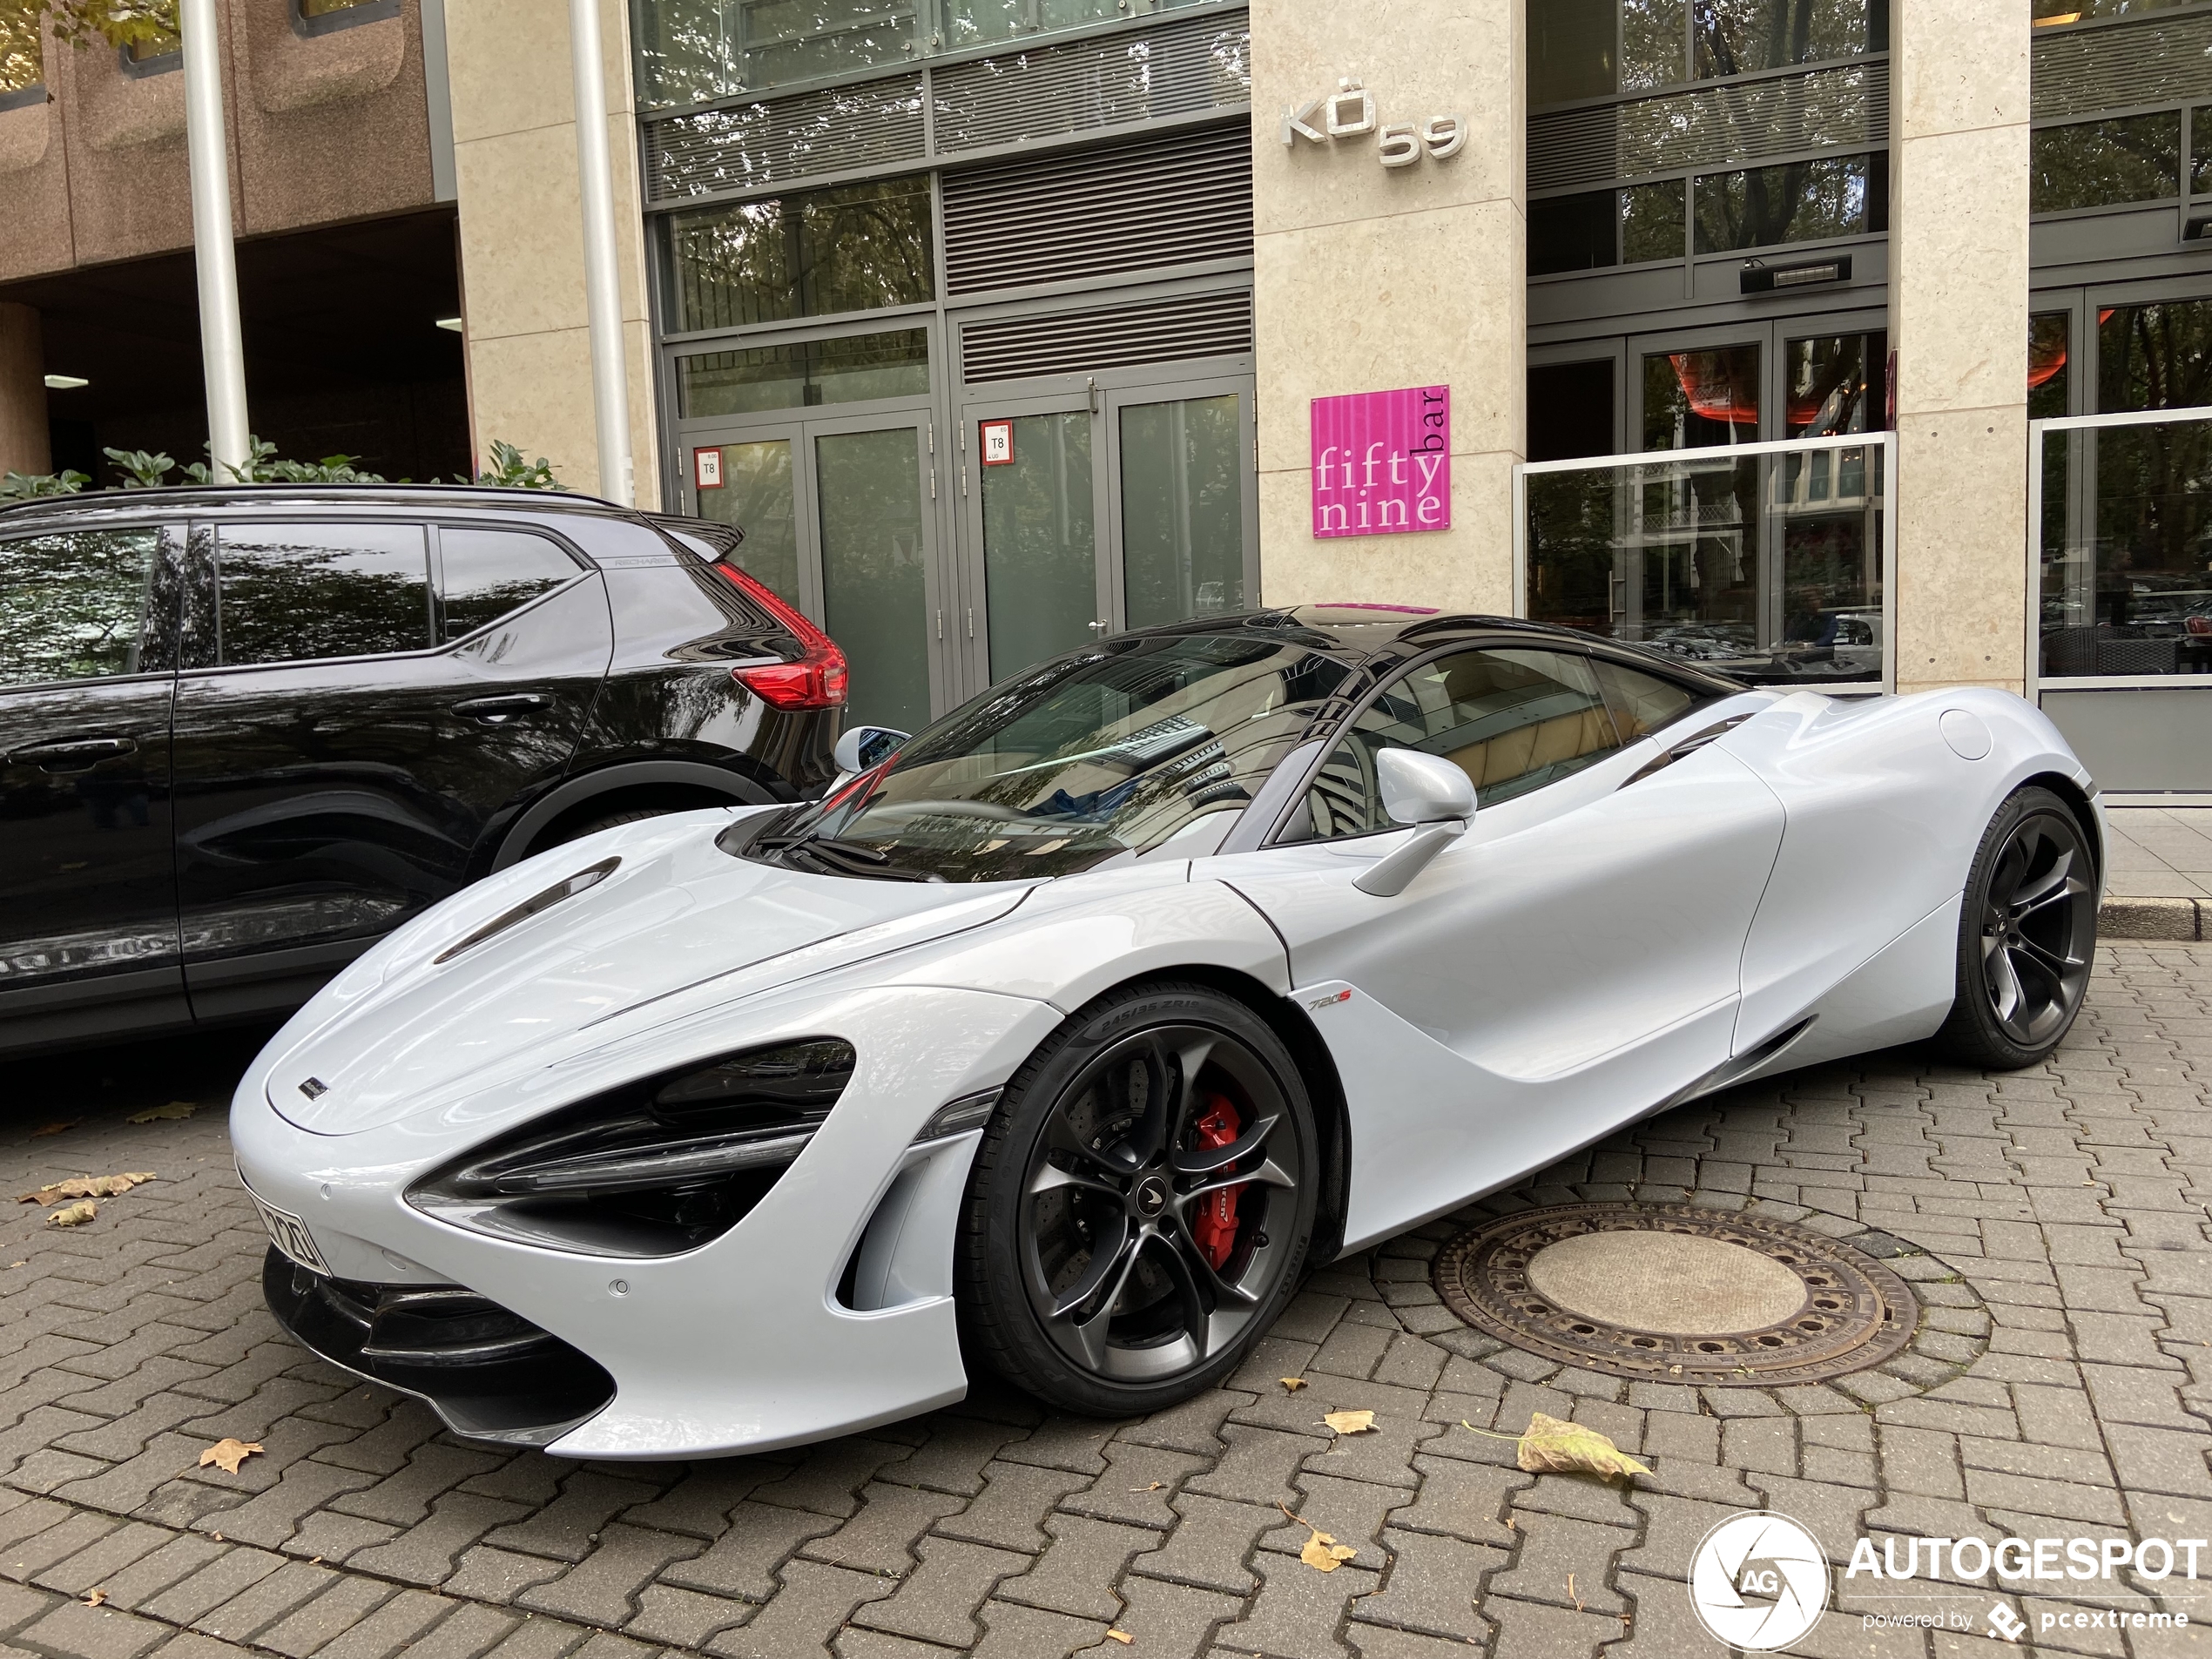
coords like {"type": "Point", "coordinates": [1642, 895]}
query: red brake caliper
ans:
{"type": "Point", "coordinates": [1213, 1223]}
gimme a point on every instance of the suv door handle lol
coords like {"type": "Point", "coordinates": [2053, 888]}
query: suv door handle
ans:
{"type": "Point", "coordinates": [71, 754]}
{"type": "Point", "coordinates": [497, 711]}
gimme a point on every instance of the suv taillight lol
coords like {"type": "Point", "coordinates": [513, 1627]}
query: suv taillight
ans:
{"type": "Point", "coordinates": [817, 680]}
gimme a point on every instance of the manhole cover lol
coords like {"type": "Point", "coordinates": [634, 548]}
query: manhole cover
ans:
{"type": "Point", "coordinates": [1676, 1293]}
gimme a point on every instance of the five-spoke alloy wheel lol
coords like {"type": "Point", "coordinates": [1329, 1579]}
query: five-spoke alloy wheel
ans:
{"type": "Point", "coordinates": [2027, 934]}
{"type": "Point", "coordinates": [1141, 1202]}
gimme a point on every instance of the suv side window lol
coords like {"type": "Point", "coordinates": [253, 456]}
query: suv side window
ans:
{"type": "Point", "coordinates": [483, 574]}
{"type": "Point", "coordinates": [73, 604]}
{"type": "Point", "coordinates": [293, 593]}
{"type": "Point", "coordinates": [1512, 719]}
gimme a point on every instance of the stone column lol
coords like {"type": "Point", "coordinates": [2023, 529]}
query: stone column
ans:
{"type": "Point", "coordinates": [24, 445]}
{"type": "Point", "coordinates": [1370, 278]}
{"type": "Point", "coordinates": [1959, 320]}
{"type": "Point", "coordinates": [522, 238]}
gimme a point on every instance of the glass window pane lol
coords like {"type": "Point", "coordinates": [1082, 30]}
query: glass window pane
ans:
{"type": "Point", "coordinates": [23, 67]}
{"type": "Point", "coordinates": [1572, 233]}
{"type": "Point", "coordinates": [1836, 383]}
{"type": "Point", "coordinates": [857, 247]}
{"type": "Point", "coordinates": [73, 606]}
{"type": "Point", "coordinates": [690, 51]}
{"type": "Point", "coordinates": [1742, 36]}
{"type": "Point", "coordinates": [297, 592]}
{"type": "Point", "coordinates": [1040, 542]}
{"type": "Point", "coordinates": [1570, 410]}
{"type": "Point", "coordinates": [2127, 583]}
{"type": "Point", "coordinates": [2048, 364]}
{"type": "Point", "coordinates": [1182, 511]}
{"type": "Point", "coordinates": [1693, 399]}
{"type": "Point", "coordinates": [2201, 150]}
{"type": "Point", "coordinates": [1642, 703]}
{"type": "Point", "coordinates": [2094, 163]}
{"type": "Point", "coordinates": [1573, 50]}
{"type": "Point", "coordinates": [1651, 44]}
{"type": "Point", "coordinates": [978, 23]}
{"type": "Point", "coordinates": [876, 600]}
{"type": "Point", "coordinates": [757, 498]}
{"type": "Point", "coordinates": [1651, 222]}
{"type": "Point", "coordinates": [1512, 721]}
{"type": "Point", "coordinates": [2155, 357]}
{"type": "Point", "coordinates": [1800, 201]}
{"type": "Point", "coordinates": [2051, 14]}
{"type": "Point", "coordinates": [849, 370]}
{"type": "Point", "coordinates": [485, 574]}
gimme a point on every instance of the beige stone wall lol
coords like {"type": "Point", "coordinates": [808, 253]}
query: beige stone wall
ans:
{"type": "Point", "coordinates": [1958, 268]}
{"type": "Point", "coordinates": [1369, 278]}
{"type": "Point", "coordinates": [522, 236]}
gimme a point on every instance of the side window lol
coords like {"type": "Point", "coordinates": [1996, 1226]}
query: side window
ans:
{"type": "Point", "coordinates": [73, 604]}
{"type": "Point", "coordinates": [1513, 720]}
{"type": "Point", "coordinates": [293, 593]}
{"type": "Point", "coordinates": [485, 574]}
{"type": "Point", "coordinates": [1643, 703]}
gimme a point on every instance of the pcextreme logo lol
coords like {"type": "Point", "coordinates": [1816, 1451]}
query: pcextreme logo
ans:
{"type": "Point", "coordinates": [1759, 1582]}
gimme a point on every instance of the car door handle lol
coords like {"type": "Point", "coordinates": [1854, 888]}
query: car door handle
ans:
{"type": "Point", "coordinates": [497, 711]}
{"type": "Point", "coordinates": [71, 754]}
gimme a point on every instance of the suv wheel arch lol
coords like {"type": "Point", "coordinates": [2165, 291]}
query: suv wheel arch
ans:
{"type": "Point", "coordinates": [606, 790]}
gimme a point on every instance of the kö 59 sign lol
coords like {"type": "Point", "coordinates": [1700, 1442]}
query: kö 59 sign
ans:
{"type": "Point", "coordinates": [1349, 112]}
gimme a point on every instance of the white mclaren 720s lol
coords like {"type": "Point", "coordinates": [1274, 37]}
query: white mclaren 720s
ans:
{"type": "Point", "coordinates": [1061, 1039]}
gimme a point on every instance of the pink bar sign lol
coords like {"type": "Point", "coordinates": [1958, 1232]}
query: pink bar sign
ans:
{"type": "Point", "coordinates": [1382, 462]}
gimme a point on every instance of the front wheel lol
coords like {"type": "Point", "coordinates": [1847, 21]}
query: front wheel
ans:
{"type": "Point", "coordinates": [1141, 1202]}
{"type": "Point", "coordinates": [2028, 935]}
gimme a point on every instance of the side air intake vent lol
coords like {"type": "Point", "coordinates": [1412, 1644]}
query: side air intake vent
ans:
{"type": "Point", "coordinates": [1214, 325]}
{"type": "Point", "coordinates": [1169, 200]}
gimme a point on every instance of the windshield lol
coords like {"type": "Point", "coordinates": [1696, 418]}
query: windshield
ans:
{"type": "Point", "coordinates": [1100, 756]}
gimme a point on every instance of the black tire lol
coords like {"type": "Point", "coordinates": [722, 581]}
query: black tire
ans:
{"type": "Point", "coordinates": [608, 821]}
{"type": "Point", "coordinates": [1106, 1132]}
{"type": "Point", "coordinates": [2027, 936]}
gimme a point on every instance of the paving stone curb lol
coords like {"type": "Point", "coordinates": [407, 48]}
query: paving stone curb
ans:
{"type": "Point", "coordinates": [2180, 919]}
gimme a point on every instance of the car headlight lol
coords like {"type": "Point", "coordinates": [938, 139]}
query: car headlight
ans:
{"type": "Point", "coordinates": [651, 1168]}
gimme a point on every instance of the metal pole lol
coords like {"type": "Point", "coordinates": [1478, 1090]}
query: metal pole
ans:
{"type": "Point", "coordinates": [222, 350]}
{"type": "Point", "coordinates": [601, 286]}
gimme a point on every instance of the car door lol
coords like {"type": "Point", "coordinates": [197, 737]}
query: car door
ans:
{"type": "Point", "coordinates": [88, 898]}
{"type": "Point", "coordinates": [1570, 962]}
{"type": "Point", "coordinates": [363, 705]}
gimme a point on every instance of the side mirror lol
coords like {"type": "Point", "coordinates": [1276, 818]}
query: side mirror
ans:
{"type": "Point", "coordinates": [865, 746]}
{"type": "Point", "coordinates": [1420, 788]}
{"type": "Point", "coordinates": [1428, 793]}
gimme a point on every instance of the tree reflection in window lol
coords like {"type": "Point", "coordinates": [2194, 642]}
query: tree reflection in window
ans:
{"type": "Point", "coordinates": [73, 606]}
{"type": "Point", "coordinates": [2155, 357]}
{"type": "Point", "coordinates": [1799, 201]}
{"type": "Point", "coordinates": [1742, 36]}
{"type": "Point", "coordinates": [2096, 164]}
{"type": "Point", "coordinates": [854, 248]}
{"type": "Point", "coordinates": [300, 592]}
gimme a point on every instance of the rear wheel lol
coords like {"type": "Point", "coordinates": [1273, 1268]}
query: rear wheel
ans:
{"type": "Point", "coordinates": [2027, 936]}
{"type": "Point", "coordinates": [1141, 1202]}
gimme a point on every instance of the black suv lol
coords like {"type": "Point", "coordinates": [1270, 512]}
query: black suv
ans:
{"type": "Point", "coordinates": [244, 732]}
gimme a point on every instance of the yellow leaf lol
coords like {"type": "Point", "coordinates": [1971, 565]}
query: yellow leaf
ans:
{"type": "Point", "coordinates": [53, 1129]}
{"type": "Point", "coordinates": [1551, 1446]}
{"type": "Point", "coordinates": [1291, 1384]}
{"type": "Point", "coordinates": [1350, 1422]}
{"type": "Point", "coordinates": [87, 1186]}
{"type": "Point", "coordinates": [174, 1109]}
{"type": "Point", "coordinates": [93, 1598]}
{"type": "Point", "coordinates": [229, 1454]}
{"type": "Point", "coordinates": [1324, 1554]}
{"type": "Point", "coordinates": [75, 1216]}
{"type": "Point", "coordinates": [1122, 1636]}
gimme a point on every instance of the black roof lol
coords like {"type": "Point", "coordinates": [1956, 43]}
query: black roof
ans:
{"type": "Point", "coordinates": [350, 495]}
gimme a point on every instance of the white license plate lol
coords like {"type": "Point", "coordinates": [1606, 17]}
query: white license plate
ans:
{"type": "Point", "coordinates": [290, 1235]}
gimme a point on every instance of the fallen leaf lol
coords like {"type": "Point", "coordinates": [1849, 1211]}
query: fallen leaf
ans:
{"type": "Point", "coordinates": [1122, 1636]}
{"type": "Point", "coordinates": [217, 1536]}
{"type": "Point", "coordinates": [229, 1454]}
{"type": "Point", "coordinates": [88, 1186]}
{"type": "Point", "coordinates": [93, 1598]}
{"type": "Point", "coordinates": [53, 1129]}
{"type": "Point", "coordinates": [1549, 1446]}
{"type": "Point", "coordinates": [75, 1216]}
{"type": "Point", "coordinates": [1291, 1384]}
{"type": "Point", "coordinates": [1350, 1422]}
{"type": "Point", "coordinates": [1570, 1593]}
{"type": "Point", "coordinates": [174, 1109]}
{"type": "Point", "coordinates": [1157, 1486]}
{"type": "Point", "coordinates": [1322, 1553]}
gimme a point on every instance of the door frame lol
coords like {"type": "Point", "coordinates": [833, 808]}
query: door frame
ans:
{"type": "Point", "coordinates": [1178, 391]}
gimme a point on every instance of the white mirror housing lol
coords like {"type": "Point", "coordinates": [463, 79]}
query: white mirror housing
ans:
{"type": "Point", "coordinates": [864, 747]}
{"type": "Point", "coordinates": [1420, 788]}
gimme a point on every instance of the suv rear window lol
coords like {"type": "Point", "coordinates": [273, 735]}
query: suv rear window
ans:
{"type": "Point", "coordinates": [483, 574]}
{"type": "Point", "coordinates": [296, 593]}
{"type": "Point", "coordinates": [73, 604]}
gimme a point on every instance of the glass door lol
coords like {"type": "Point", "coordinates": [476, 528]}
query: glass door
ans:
{"type": "Point", "coordinates": [840, 518]}
{"type": "Point", "coordinates": [1183, 497]}
{"type": "Point", "coordinates": [1033, 509]}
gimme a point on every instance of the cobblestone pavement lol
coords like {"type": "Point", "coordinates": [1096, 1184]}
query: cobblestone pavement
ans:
{"type": "Point", "coordinates": [2061, 1385]}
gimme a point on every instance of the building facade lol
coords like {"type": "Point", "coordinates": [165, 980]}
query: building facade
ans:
{"type": "Point", "coordinates": [1845, 344]}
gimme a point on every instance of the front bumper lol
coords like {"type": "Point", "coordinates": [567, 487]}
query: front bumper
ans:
{"type": "Point", "coordinates": [741, 1345]}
